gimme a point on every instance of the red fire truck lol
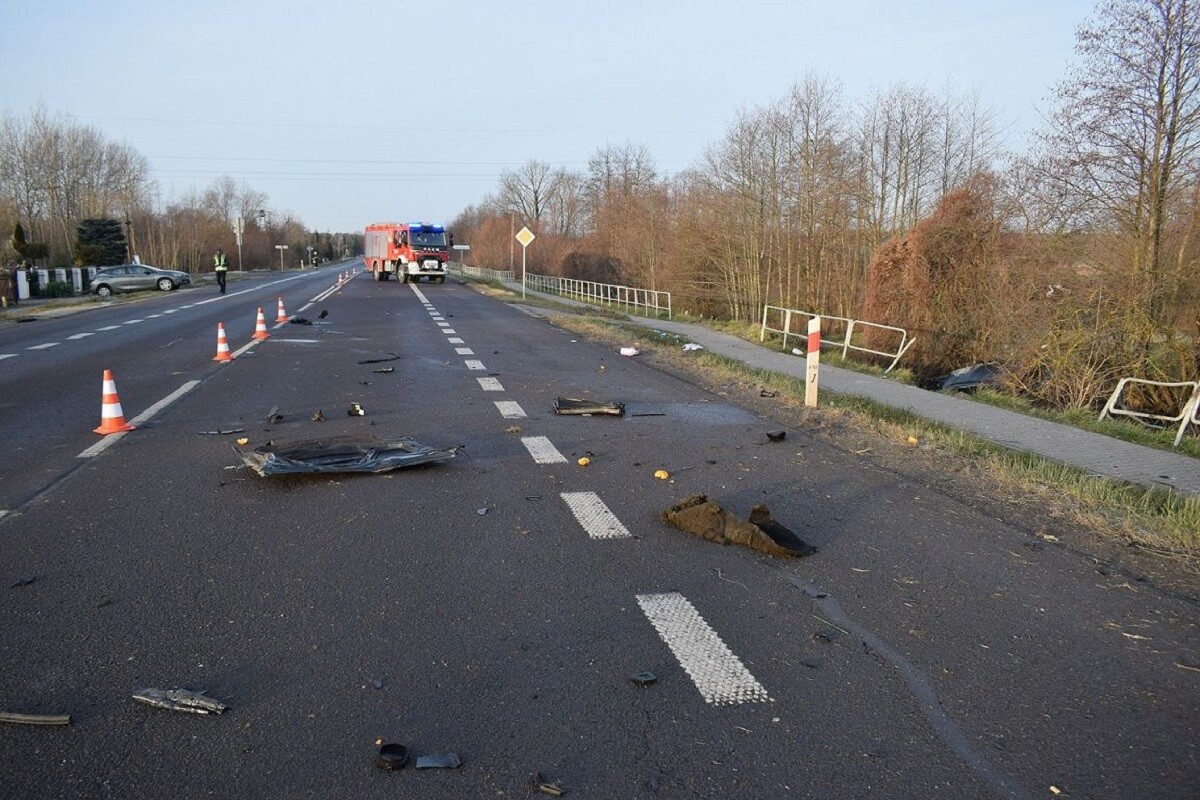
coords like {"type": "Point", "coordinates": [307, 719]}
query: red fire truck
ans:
{"type": "Point", "coordinates": [407, 249]}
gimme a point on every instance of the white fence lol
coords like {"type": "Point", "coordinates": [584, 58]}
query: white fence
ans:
{"type": "Point", "coordinates": [652, 300]}
{"type": "Point", "coordinates": [482, 272]}
{"type": "Point", "coordinates": [848, 328]}
{"type": "Point", "coordinates": [1190, 415]}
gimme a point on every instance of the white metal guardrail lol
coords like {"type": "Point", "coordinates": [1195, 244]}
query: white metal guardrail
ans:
{"type": "Point", "coordinates": [1189, 415]}
{"type": "Point", "coordinates": [846, 343]}
{"type": "Point", "coordinates": [652, 300]}
{"type": "Point", "coordinates": [482, 272]}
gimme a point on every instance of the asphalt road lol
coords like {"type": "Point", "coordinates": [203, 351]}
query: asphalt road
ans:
{"type": "Point", "coordinates": [495, 605]}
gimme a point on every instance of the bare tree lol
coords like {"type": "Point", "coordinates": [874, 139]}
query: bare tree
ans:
{"type": "Point", "coordinates": [1125, 133]}
{"type": "Point", "coordinates": [528, 190]}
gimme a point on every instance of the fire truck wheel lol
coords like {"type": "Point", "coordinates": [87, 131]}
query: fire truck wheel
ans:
{"type": "Point", "coordinates": [404, 277]}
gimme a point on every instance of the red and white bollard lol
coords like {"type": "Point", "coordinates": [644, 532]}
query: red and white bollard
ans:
{"type": "Point", "coordinates": [812, 366]}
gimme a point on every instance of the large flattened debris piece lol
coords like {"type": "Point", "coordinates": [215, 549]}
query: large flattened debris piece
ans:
{"type": "Point", "coordinates": [568, 405]}
{"type": "Point", "coordinates": [702, 517]}
{"type": "Point", "coordinates": [342, 454]}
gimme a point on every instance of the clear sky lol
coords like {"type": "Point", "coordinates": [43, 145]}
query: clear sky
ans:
{"type": "Point", "coordinates": [353, 111]}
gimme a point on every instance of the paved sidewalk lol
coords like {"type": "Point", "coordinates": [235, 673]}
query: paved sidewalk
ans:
{"type": "Point", "coordinates": [1094, 452]}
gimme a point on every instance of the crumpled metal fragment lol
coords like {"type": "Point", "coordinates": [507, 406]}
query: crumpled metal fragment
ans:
{"type": "Point", "coordinates": [569, 405]}
{"type": "Point", "coordinates": [180, 700]}
{"type": "Point", "coordinates": [342, 454]}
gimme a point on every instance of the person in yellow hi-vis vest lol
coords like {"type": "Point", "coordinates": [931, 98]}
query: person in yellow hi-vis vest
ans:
{"type": "Point", "coordinates": [220, 267]}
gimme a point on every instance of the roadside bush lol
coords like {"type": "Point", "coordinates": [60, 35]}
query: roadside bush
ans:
{"type": "Point", "coordinates": [56, 289]}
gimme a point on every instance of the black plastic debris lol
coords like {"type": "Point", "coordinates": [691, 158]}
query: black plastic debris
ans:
{"type": "Point", "coordinates": [342, 454]}
{"type": "Point", "coordinates": [180, 700]}
{"type": "Point", "coordinates": [392, 357]}
{"type": "Point", "coordinates": [24, 580]}
{"type": "Point", "coordinates": [318, 416]}
{"type": "Point", "coordinates": [391, 756]}
{"type": "Point", "coordinates": [300, 321]}
{"type": "Point", "coordinates": [702, 517]}
{"type": "Point", "coordinates": [768, 393]}
{"type": "Point", "coordinates": [545, 785]}
{"type": "Point", "coordinates": [646, 678]}
{"type": "Point", "coordinates": [782, 536]}
{"type": "Point", "coordinates": [568, 405]}
{"type": "Point", "coordinates": [439, 761]}
{"type": "Point", "coordinates": [776, 436]}
{"type": "Point", "coordinates": [221, 432]}
{"type": "Point", "coordinates": [323, 314]}
{"type": "Point", "coordinates": [977, 376]}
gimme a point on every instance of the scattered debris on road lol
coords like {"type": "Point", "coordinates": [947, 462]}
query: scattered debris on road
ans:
{"type": "Point", "coordinates": [384, 370]}
{"type": "Point", "coordinates": [690, 346]}
{"type": "Point", "coordinates": [439, 761]}
{"type": "Point", "coordinates": [342, 454]}
{"type": "Point", "coordinates": [300, 321]}
{"type": "Point", "coordinates": [570, 405]}
{"type": "Point", "coordinates": [776, 436]}
{"type": "Point", "coordinates": [323, 314]}
{"type": "Point", "coordinates": [630, 351]}
{"type": "Point", "coordinates": [35, 719]}
{"type": "Point", "coordinates": [662, 474]}
{"type": "Point", "coordinates": [222, 432]}
{"type": "Point", "coordinates": [391, 756]}
{"type": "Point", "coordinates": [274, 416]}
{"type": "Point", "coordinates": [584, 461]}
{"type": "Point", "coordinates": [243, 441]}
{"type": "Point", "coordinates": [318, 416]}
{"type": "Point", "coordinates": [24, 580]}
{"type": "Point", "coordinates": [183, 700]}
{"type": "Point", "coordinates": [513, 429]}
{"type": "Point", "coordinates": [702, 517]}
{"type": "Point", "coordinates": [646, 678]}
{"type": "Point", "coordinates": [768, 393]}
{"type": "Point", "coordinates": [392, 357]}
{"type": "Point", "coordinates": [356, 410]}
{"type": "Point", "coordinates": [548, 785]}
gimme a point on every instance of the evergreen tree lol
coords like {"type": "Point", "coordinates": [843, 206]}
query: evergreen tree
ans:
{"type": "Point", "coordinates": [100, 243]}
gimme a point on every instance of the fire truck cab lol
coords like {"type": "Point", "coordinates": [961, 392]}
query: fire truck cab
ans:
{"type": "Point", "coordinates": [410, 250]}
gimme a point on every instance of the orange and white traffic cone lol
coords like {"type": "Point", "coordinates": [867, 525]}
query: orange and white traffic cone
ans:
{"type": "Point", "coordinates": [282, 316]}
{"type": "Point", "coordinates": [112, 418]}
{"type": "Point", "coordinates": [223, 353]}
{"type": "Point", "coordinates": [260, 327]}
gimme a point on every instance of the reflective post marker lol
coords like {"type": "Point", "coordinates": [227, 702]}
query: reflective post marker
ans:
{"type": "Point", "coordinates": [524, 236]}
{"type": "Point", "coordinates": [812, 365]}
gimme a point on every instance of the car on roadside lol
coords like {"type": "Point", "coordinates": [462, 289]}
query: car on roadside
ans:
{"type": "Point", "coordinates": [135, 278]}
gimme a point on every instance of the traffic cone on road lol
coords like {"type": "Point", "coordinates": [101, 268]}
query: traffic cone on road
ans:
{"type": "Point", "coordinates": [282, 316]}
{"type": "Point", "coordinates": [112, 418]}
{"type": "Point", "coordinates": [223, 353]}
{"type": "Point", "coordinates": [260, 327]}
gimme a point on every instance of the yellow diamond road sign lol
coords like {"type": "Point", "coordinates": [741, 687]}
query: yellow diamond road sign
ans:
{"type": "Point", "coordinates": [525, 236]}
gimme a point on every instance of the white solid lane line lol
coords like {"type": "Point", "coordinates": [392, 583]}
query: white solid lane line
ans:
{"type": "Point", "coordinates": [45, 346]}
{"type": "Point", "coordinates": [720, 676]}
{"type": "Point", "coordinates": [490, 384]}
{"type": "Point", "coordinates": [542, 450]}
{"type": "Point", "coordinates": [594, 516]}
{"type": "Point", "coordinates": [420, 295]}
{"type": "Point", "coordinates": [141, 419]}
{"type": "Point", "coordinates": [471, 364]}
{"type": "Point", "coordinates": [510, 409]}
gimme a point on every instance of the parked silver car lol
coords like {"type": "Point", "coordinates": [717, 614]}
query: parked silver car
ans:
{"type": "Point", "coordinates": [135, 277]}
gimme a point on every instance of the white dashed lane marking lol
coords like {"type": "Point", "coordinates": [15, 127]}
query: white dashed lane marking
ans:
{"type": "Point", "coordinates": [490, 384]}
{"type": "Point", "coordinates": [720, 676]}
{"type": "Point", "coordinates": [443, 324]}
{"type": "Point", "coordinates": [45, 346]}
{"type": "Point", "coordinates": [108, 328]}
{"type": "Point", "coordinates": [474, 364]}
{"type": "Point", "coordinates": [594, 516]}
{"type": "Point", "coordinates": [455, 340]}
{"type": "Point", "coordinates": [510, 409]}
{"type": "Point", "coordinates": [8, 355]}
{"type": "Point", "coordinates": [81, 335]}
{"type": "Point", "coordinates": [542, 450]}
{"type": "Point", "coordinates": [132, 321]}
{"type": "Point", "coordinates": [449, 330]}
{"type": "Point", "coordinates": [464, 351]}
